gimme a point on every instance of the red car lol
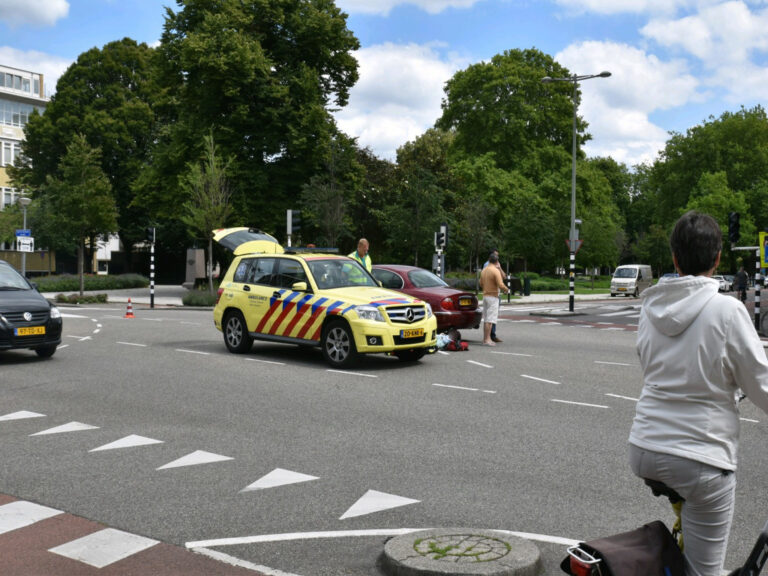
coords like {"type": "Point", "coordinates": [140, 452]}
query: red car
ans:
{"type": "Point", "coordinates": [451, 307]}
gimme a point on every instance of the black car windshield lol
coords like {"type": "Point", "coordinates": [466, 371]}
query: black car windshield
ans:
{"type": "Point", "coordinates": [425, 279]}
{"type": "Point", "coordinates": [339, 273]}
{"type": "Point", "coordinates": [625, 273]}
{"type": "Point", "coordinates": [12, 280]}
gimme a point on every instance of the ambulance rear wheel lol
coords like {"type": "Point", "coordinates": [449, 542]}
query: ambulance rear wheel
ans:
{"type": "Point", "coordinates": [338, 344]}
{"type": "Point", "coordinates": [236, 335]}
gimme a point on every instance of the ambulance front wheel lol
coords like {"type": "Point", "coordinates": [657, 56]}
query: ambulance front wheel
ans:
{"type": "Point", "coordinates": [338, 344]}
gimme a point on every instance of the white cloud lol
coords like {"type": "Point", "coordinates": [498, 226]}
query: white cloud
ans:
{"type": "Point", "coordinates": [728, 40]}
{"type": "Point", "coordinates": [618, 108]}
{"type": "Point", "coordinates": [398, 95]}
{"type": "Point", "coordinates": [383, 7]}
{"type": "Point", "coordinates": [52, 67]}
{"type": "Point", "coordinates": [631, 6]}
{"type": "Point", "coordinates": [33, 12]}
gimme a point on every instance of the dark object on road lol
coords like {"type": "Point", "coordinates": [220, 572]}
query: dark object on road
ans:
{"type": "Point", "coordinates": [27, 319]}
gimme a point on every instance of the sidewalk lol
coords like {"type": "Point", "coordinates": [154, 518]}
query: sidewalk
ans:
{"type": "Point", "coordinates": [171, 295]}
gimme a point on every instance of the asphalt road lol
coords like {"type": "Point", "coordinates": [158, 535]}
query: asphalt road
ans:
{"type": "Point", "coordinates": [279, 463]}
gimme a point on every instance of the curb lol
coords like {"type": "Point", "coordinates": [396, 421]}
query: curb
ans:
{"type": "Point", "coordinates": [460, 552]}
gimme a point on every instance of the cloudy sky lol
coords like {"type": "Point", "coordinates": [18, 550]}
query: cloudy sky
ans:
{"type": "Point", "coordinates": [674, 63]}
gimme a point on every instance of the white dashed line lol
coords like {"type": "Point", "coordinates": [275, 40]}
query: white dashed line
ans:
{"type": "Point", "coordinates": [512, 354]}
{"type": "Point", "coordinates": [539, 379]}
{"type": "Point", "coordinates": [193, 352]}
{"type": "Point", "coordinates": [131, 344]}
{"type": "Point", "coordinates": [265, 361]}
{"type": "Point", "coordinates": [353, 373]}
{"type": "Point", "coordinates": [579, 403]}
{"type": "Point", "coordinates": [623, 397]}
{"type": "Point", "coordinates": [614, 363]}
{"type": "Point", "coordinates": [479, 364]}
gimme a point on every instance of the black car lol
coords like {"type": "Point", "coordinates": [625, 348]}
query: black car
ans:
{"type": "Point", "coordinates": [27, 320]}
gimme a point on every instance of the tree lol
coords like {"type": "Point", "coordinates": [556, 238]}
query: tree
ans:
{"type": "Point", "coordinates": [208, 205]}
{"type": "Point", "coordinates": [76, 203]}
{"type": "Point", "coordinates": [107, 96]}
{"type": "Point", "coordinates": [502, 107]}
{"type": "Point", "coordinates": [712, 196]}
{"type": "Point", "coordinates": [263, 74]}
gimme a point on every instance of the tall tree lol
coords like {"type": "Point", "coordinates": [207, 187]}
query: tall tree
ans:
{"type": "Point", "coordinates": [208, 206]}
{"type": "Point", "coordinates": [76, 203]}
{"type": "Point", "coordinates": [263, 73]}
{"type": "Point", "coordinates": [106, 95]}
{"type": "Point", "coordinates": [502, 107]}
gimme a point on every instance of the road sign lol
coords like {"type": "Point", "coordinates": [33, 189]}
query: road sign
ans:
{"type": "Point", "coordinates": [25, 244]}
{"type": "Point", "coordinates": [20, 232]}
{"type": "Point", "coordinates": [576, 245]}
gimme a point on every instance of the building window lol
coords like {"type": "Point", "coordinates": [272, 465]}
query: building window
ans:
{"type": "Point", "coordinates": [37, 87]}
{"type": "Point", "coordinates": [25, 84]}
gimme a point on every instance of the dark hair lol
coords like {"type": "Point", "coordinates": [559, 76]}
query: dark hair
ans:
{"type": "Point", "coordinates": [696, 241]}
{"type": "Point", "coordinates": [493, 258]}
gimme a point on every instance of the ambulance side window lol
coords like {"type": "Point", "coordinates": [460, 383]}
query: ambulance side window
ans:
{"type": "Point", "coordinates": [241, 273]}
{"type": "Point", "coordinates": [262, 272]}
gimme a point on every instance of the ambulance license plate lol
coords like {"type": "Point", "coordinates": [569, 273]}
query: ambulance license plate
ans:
{"type": "Point", "coordinates": [412, 333]}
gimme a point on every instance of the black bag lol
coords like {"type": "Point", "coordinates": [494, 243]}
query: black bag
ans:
{"type": "Point", "coordinates": [646, 551]}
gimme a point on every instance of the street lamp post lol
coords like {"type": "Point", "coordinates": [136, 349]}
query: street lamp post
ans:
{"type": "Point", "coordinates": [24, 201]}
{"type": "Point", "coordinates": [574, 234]}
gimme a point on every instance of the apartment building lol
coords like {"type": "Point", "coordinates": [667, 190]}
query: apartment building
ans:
{"type": "Point", "coordinates": [20, 93]}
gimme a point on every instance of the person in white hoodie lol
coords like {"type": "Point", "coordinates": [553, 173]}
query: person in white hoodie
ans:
{"type": "Point", "coordinates": [697, 349]}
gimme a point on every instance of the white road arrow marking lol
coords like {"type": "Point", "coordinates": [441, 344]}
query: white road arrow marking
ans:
{"type": "Point", "coordinates": [128, 442]}
{"type": "Point", "coordinates": [278, 477]}
{"type": "Point", "coordinates": [374, 501]}
{"type": "Point", "coordinates": [70, 427]}
{"type": "Point", "coordinates": [20, 415]}
{"type": "Point", "coordinates": [195, 458]}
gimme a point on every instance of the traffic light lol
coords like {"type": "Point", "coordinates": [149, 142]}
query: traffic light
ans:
{"type": "Point", "coordinates": [441, 237]}
{"type": "Point", "coordinates": [151, 234]}
{"type": "Point", "coordinates": [733, 228]}
{"type": "Point", "coordinates": [293, 221]}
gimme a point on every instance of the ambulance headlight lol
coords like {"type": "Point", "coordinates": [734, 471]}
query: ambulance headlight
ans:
{"type": "Point", "coordinates": [366, 312]}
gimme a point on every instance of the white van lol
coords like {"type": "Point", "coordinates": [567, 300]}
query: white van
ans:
{"type": "Point", "coordinates": [631, 279]}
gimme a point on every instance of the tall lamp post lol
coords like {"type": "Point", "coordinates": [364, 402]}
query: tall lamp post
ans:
{"type": "Point", "coordinates": [24, 202]}
{"type": "Point", "coordinates": [574, 234]}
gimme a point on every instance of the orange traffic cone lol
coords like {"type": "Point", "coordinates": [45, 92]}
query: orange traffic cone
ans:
{"type": "Point", "coordinates": [129, 312]}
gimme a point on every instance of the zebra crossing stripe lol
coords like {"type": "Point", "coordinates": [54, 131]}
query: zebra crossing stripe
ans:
{"type": "Point", "coordinates": [15, 515]}
{"type": "Point", "coordinates": [104, 547]}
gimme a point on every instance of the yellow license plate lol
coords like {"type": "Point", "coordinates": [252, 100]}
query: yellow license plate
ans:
{"type": "Point", "coordinates": [622, 289]}
{"type": "Point", "coordinates": [465, 301]}
{"type": "Point", "coordinates": [412, 333]}
{"type": "Point", "coordinates": [31, 331]}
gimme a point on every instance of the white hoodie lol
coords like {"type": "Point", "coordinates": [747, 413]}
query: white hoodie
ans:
{"type": "Point", "coordinates": [696, 348]}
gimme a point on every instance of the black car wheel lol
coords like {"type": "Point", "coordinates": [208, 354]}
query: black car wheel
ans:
{"type": "Point", "coordinates": [236, 335]}
{"type": "Point", "coordinates": [46, 351]}
{"type": "Point", "coordinates": [413, 355]}
{"type": "Point", "coordinates": [338, 344]}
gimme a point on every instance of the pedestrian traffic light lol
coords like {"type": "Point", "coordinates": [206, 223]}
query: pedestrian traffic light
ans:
{"type": "Point", "coordinates": [733, 227]}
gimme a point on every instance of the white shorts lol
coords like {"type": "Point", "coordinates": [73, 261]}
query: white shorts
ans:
{"type": "Point", "coordinates": [490, 309]}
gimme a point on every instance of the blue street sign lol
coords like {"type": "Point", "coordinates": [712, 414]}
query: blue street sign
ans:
{"type": "Point", "coordinates": [22, 232]}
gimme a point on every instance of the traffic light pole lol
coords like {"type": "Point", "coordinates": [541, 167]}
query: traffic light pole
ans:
{"type": "Point", "coordinates": [758, 280]}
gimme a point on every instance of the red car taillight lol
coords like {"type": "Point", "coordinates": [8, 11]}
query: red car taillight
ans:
{"type": "Point", "coordinates": [447, 304]}
{"type": "Point", "coordinates": [218, 294]}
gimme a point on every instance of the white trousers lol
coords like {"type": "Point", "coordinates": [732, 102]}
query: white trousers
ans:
{"type": "Point", "coordinates": [708, 508]}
